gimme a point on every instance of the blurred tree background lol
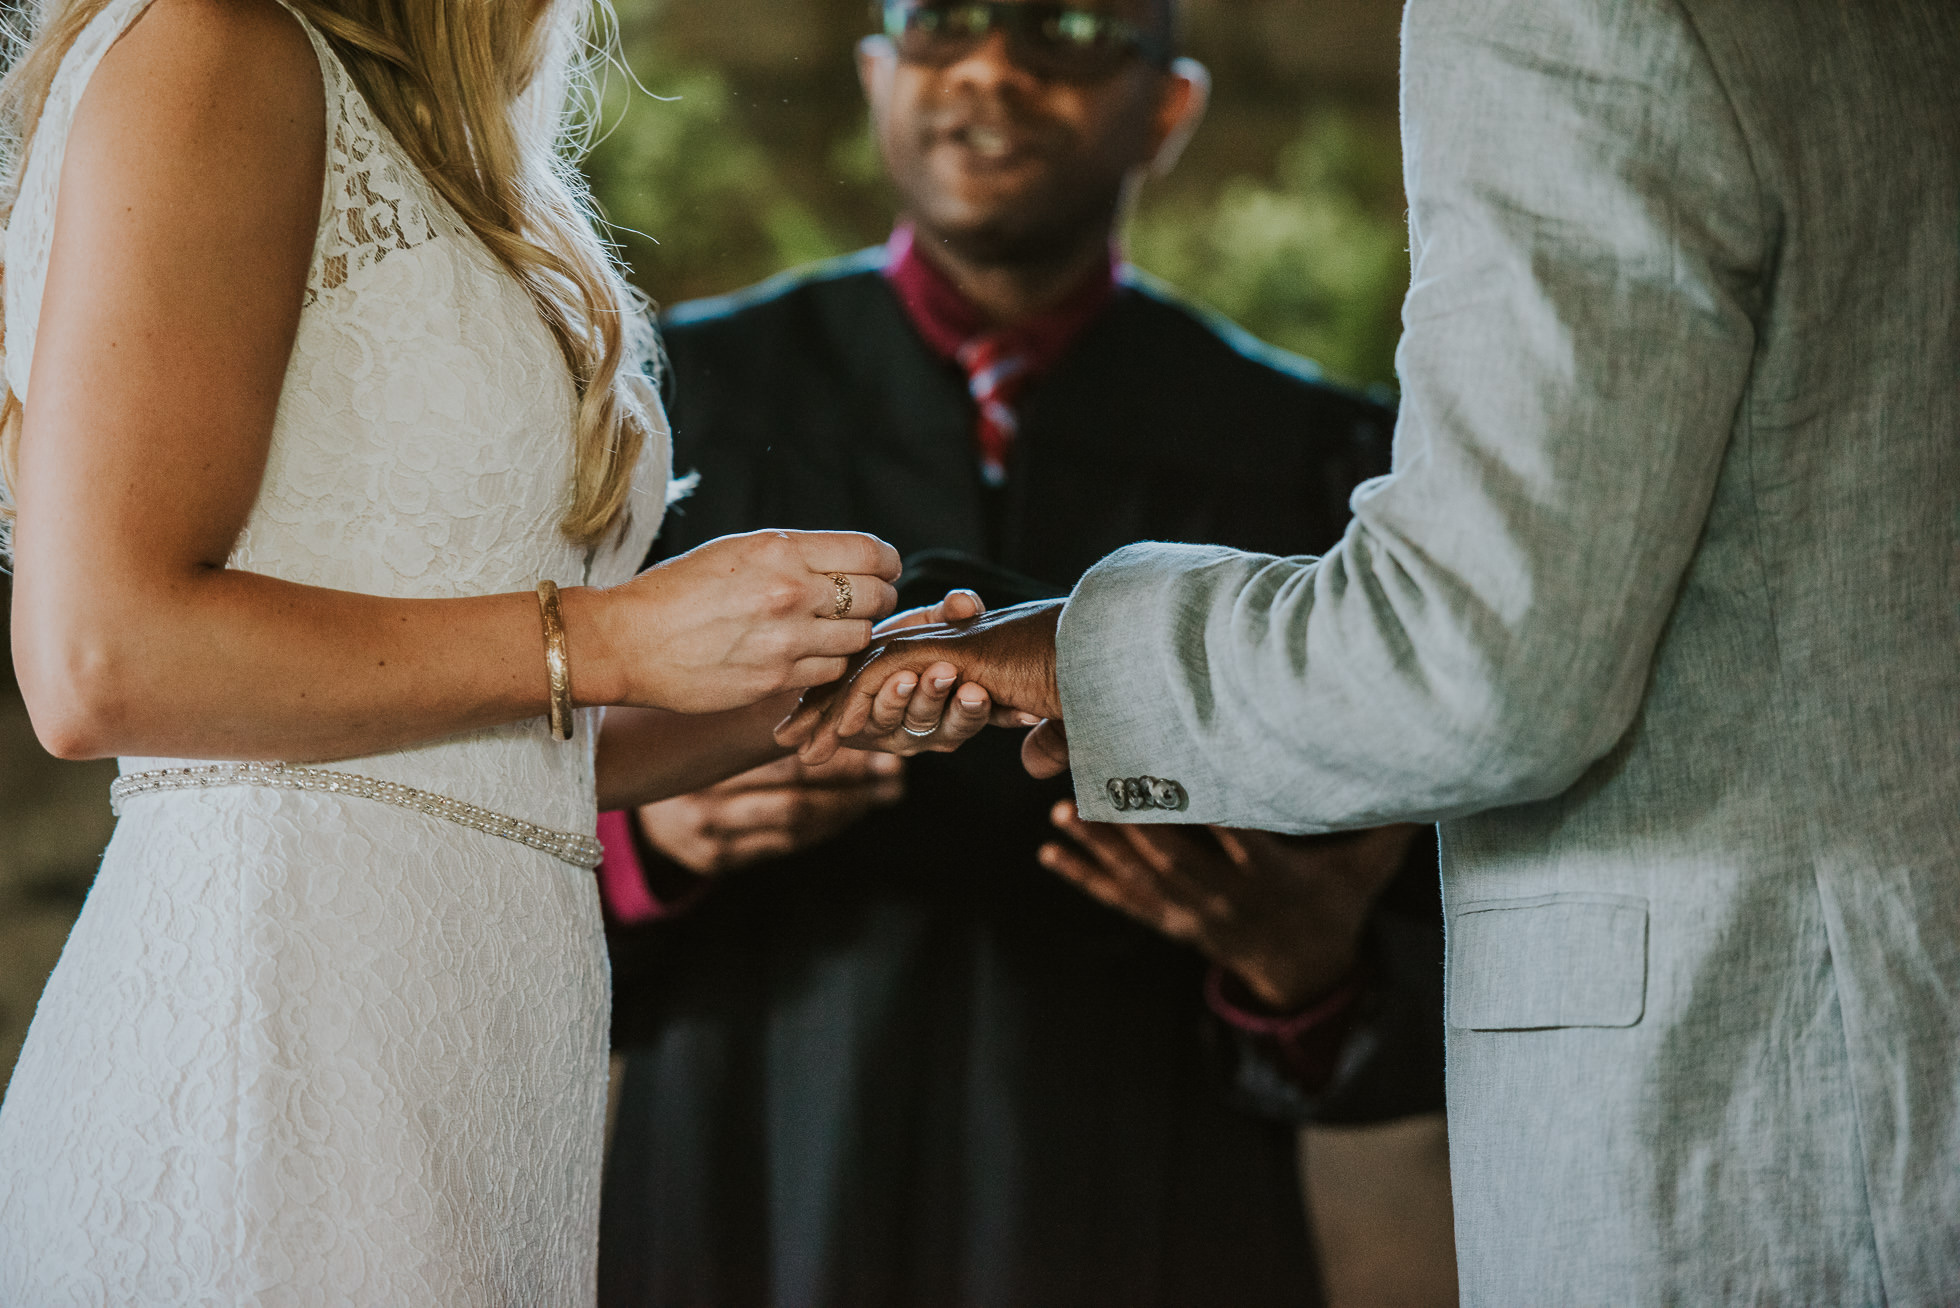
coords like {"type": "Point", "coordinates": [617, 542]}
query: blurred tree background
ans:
{"type": "Point", "coordinates": [1286, 214]}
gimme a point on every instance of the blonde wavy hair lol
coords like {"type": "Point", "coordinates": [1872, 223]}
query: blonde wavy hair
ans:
{"type": "Point", "coordinates": [492, 100]}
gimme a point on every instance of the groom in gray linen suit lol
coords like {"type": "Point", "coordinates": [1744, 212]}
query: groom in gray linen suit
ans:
{"type": "Point", "coordinates": [1659, 614]}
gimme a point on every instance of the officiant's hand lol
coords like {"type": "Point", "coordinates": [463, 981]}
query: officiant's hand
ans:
{"type": "Point", "coordinates": [1282, 913]}
{"type": "Point", "coordinates": [1007, 656]}
{"type": "Point", "coordinates": [771, 811]}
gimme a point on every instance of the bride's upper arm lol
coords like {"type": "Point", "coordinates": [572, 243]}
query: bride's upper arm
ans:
{"type": "Point", "coordinates": [188, 206]}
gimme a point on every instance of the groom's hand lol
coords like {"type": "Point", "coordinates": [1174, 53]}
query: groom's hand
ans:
{"type": "Point", "coordinates": [1010, 654]}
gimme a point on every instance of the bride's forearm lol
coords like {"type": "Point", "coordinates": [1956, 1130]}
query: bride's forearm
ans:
{"type": "Point", "coordinates": [647, 755]}
{"type": "Point", "coordinates": [234, 665]}
{"type": "Point", "coordinates": [156, 384]}
{"type": "Point", "coordinates": [121, 654]}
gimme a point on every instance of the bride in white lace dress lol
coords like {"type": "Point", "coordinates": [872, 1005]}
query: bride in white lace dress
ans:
{"type": "Point", "coordinates": [290, 458]}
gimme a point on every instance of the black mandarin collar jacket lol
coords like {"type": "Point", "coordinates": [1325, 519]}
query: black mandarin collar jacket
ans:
{"type": "Point", "coordinates": [910, 1066]}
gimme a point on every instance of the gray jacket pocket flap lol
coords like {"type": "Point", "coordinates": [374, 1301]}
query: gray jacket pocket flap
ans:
{"type": "Point", "coordinates": [1548, 961]}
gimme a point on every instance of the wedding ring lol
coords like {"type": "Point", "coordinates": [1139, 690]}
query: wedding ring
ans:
{"type": "Point", "coordinates": [842, 608]}
{"type": "Point", "coordinates": [922, 735]}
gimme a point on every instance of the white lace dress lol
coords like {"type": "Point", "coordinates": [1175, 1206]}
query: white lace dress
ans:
{"type": "Point", "coordinates": [313, 1048]}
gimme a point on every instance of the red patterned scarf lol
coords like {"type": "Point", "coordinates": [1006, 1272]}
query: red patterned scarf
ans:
{"type": "Point", "coordinates": [999, 362]}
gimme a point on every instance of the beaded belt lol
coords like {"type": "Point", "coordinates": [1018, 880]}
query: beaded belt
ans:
{"type": "Point", "coordinates": [580, 851]}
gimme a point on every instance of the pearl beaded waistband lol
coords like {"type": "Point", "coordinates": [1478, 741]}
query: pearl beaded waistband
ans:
{"type": "Point", "coordinates": [580, 851]}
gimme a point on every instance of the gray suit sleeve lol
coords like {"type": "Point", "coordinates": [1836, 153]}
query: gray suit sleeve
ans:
{"type": "Point", "coordinates": [1587, 241]}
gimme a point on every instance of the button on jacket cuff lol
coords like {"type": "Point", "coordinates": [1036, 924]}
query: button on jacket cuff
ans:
{"type": "Point", "coordinates": [1114, 673]}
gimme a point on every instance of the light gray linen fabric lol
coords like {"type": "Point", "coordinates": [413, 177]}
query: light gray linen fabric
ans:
{"type": "Point", "coordinates": [1660, 614]}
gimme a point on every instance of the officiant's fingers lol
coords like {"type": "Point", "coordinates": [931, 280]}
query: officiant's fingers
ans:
{"type": "Point", "coordinates": [753, 847]}
{"type": "Point", "coordinates": [1105, 843]}
{"type": "Point", "coordinates": [797, 808]}
{"type": "Point", "coordinates": [1086, 873]}
{"type": "Point", "coordinates": [1123, 894]}
{"type": "Point", "coordinates": [1154, 862]}
{"type": "Point", "coordinates": [851, 767]}
{"type": "Point", "coordinates": [783, 772]}
{"type": "Point", "coordinates": [1191, 867]}
{"type": "Point", "coordinates": [1186, 859]}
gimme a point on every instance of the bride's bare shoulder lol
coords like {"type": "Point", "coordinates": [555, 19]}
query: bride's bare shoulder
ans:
{"type": "Point", "coordinates": [203, 112]}
{"type": "Point", "coordinates": [240, 74]}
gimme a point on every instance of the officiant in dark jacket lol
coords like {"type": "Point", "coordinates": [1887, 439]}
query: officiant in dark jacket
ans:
{"type": "Point", "coordinates": [882, 1048]}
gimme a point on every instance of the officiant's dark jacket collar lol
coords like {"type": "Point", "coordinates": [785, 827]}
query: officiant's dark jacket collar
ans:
{"type": "Point", "coordinates": [1160, 422]}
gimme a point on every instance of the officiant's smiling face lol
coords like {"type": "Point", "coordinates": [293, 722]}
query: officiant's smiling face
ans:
{"type": "Point", "coordinates": [1010, 159]}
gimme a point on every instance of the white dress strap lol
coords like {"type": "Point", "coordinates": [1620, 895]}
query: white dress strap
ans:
{"type": "Point", "coordinates": [374, 201]}
{"type": "Point", "coordinates": [30, 220]}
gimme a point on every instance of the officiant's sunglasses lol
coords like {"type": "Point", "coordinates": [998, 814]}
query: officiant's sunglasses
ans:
{"type": "Point", "coordinates": [1054, 41]}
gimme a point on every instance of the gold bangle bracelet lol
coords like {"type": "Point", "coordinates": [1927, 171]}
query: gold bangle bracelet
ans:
{"type": "Point", "coordinates": [557, 662]}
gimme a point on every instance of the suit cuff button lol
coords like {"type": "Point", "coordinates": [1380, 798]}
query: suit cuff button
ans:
{"type": "Point", "coordinates": [1119, 795]}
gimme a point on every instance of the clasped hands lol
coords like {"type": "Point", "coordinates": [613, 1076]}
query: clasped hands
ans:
{"type": "Point", "coordinates": [1282, 913]}
{"type": "Point", "coordinates": [894, 696]}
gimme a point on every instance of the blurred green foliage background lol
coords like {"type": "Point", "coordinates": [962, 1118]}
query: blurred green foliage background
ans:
{"type": "Point", "coordinates": [718, 184]}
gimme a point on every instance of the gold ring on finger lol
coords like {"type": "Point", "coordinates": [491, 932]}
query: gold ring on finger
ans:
{"type": "Point", "coordinates": [842, 608]}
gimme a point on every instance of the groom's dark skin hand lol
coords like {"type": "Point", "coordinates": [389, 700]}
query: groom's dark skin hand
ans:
{"type": "Point", "coordinates": [1009, 653]}
{"type": "Point", "coordinates": [1282, 913]}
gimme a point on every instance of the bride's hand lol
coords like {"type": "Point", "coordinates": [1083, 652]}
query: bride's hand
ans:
{"type": "Point", "coordinates": [732, 622]}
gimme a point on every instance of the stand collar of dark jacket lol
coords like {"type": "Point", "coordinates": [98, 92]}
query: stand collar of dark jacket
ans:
{"type": "Point", "coordinates": [947, 320]}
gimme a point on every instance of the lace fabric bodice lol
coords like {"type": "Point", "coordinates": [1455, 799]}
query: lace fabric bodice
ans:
{"type": "Point", "coordinates": [314, 1048]}
{"type": "Point", "coordinates": [422, 445]}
